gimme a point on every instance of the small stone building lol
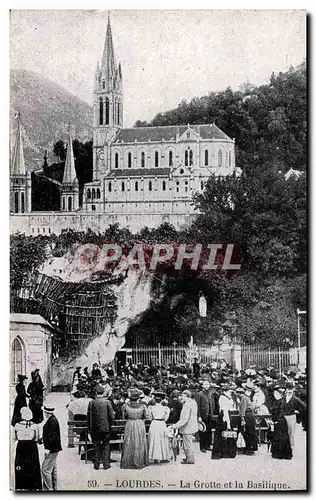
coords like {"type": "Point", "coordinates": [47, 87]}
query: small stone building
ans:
{"type": "Point", "coordinates": [31, 347]}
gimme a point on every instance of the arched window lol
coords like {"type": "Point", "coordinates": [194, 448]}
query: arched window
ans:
{"type": "Point", "coordinates": [22, 203]}
{"type": "Point", "coordinates": [69, 203]}
{"type": "Point", "coordinates": [114, 111]}
{"type": "Point", "coordinates": [229, 158]}
{"type": "Point", "coordinates": [206, 157]}
{"type": "Point", "coordinates": [186, 158]}
{"type": "Point", "coordinates": [191, 157]}
{"type": "Point", "coordinates": [170, 159]}
{"type": "Point", "coordinates": [88, 194]}
{"type": "Point", "coordinates": [164, 185]}
{"type": "Point", "coordinates": [186, 186]}
{"type": "Point", "coordinates": [136, 186]}
{"type": "Point", "coordinates": [123, 186]}
{"type": "Point", "coordinates": [93, 193]}
{"type": "Point", "coordinates": [202, 185]}
{"type": "Point", "coordinates": [118, 112]}
{"type": "Point", "coordinates": [110, 187]}
{"type": "Point", "coordinates": [143, 159]}
{"type": "Point", "coordinates": [156, 159]}
{"type": "Point", "coordinates": [129, 160]}
{"type": "Point", "coordinates": [116, 161]}
{"type": "Point", "coordinates": [64, 203]}
{"type": "Point", "coordinates": [150, 186]}
{"type": "Point", "coordinates": [220, 158]}
{"type": "Point", "coordinates": [107, 111]}
{"type": "Point", "coordinates": [101, 111]}
{"type": "Point", "coordinates": [103, 84]}
{"type": "Point", "coordinates": [16, 202]}
{"type": "Point", "coordinates": [98, 194]}
{"type": "Point", "coordinates": [17, 359]}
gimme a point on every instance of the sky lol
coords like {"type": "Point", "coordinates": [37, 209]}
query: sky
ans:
{"type": "Point", "coordinates": [166, 56]}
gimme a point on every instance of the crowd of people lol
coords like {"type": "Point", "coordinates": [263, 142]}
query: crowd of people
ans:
{"type": "Point", "coordinates": [214, 404]}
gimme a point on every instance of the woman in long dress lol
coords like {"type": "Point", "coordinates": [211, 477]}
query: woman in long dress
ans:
{"type": "Point", "coordinates": [134, 451]}
{"type": "Point", "coordinates": [158, 448]}
{"type": "Point", "coordinates": [20, 400]}
{"type": "Point", "coordinates": [279, 435]}
{"type": "Point", "coordinates": [27, 466]}
{"type": "Point", "coordinates": [224, 447]}
{"type": "Point", "coordinates": [36, 393]}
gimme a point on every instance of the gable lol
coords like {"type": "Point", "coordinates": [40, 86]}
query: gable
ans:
{"type": "Point", "coordinates": [189, 135]}
{"type": "Point", "coordinates": [181, 171]}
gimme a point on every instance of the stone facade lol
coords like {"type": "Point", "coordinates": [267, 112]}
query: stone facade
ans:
{"type": "Point", "coordinates": [31, 347]}
{"type": "Point", "coordinates": [148, 171]}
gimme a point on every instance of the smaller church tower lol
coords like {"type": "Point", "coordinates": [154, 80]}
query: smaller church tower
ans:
{"type": "Point", "coordinates": [20, 179]}
{"type": "Point", "coordinates": [69, 196]}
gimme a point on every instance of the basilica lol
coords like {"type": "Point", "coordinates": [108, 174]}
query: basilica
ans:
{"type": "Point", "coordinates": [141, 176]}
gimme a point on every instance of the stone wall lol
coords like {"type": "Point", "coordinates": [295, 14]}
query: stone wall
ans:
{"type": "Point", "coordinates": [35, 337]}
{"type": "Point", "coordinates": [54, 222]}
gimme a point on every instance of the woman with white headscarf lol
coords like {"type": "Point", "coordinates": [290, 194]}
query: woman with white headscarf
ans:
{"type": "Point", "coordinates": [27, 466]}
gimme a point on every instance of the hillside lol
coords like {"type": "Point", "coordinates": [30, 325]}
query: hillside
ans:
{"type": "Point", "coordinates": [46, 109]}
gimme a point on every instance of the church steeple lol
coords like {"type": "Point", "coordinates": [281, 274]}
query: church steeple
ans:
{"type": "Point", "coordinates": [18, 163]}
{"type": "Point", "coordinates": [69, 171]}
{"type": "Point", "coordinates": [108, 104]}
{"type": "Point", "coordinates": [69, 199]}
{"type": "Point", "coordinates": [20, 178]}
{"type": "Point", "coordinates": [108, 67]}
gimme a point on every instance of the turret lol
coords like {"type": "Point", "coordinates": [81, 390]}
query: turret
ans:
{"type": "Point", "coordinates": [69, 199]}
{"type": "Point", "coordinates": [20, 178]}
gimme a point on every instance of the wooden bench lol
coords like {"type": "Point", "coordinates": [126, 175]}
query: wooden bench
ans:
{"type": "Point", "coordinates": [78, 434]}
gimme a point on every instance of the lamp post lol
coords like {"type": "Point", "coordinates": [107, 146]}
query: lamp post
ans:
{"type": "Point", "coordinates": [299, 314]}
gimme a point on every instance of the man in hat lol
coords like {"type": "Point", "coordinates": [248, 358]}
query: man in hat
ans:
{"type": "Point", "coordinates": [52, 446]}
{"type": "Point", "coordinates": [248, 419]}
{"type": "Point", "coordinates": [100, 419]}
{"type": "Point", "coordinates": [175, 406]}
{"type": "Point", "coordinates": [206, 406]}
{"type": "Point", "coordinates": [96, 372]}
{"type": "Point", "coordinates": [188, 425]}
{"type": "Point", "coordinates": [293, 405]}
{"type": "Point", "coordinates": [196, 369]}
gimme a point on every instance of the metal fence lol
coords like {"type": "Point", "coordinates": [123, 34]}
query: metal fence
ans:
{"type": "Point", "coordinates": [280, 359]}
{"type": "Point", "coordinates": [178, 354]}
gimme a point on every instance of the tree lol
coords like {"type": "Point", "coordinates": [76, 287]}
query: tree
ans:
{"type": "Point", "coordinates": [59, 150]}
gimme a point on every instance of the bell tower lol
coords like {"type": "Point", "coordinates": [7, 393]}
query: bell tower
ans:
{"type": "Point", "coordinates": [107, 105]}
{"type": "Point", "coordinates": [20, 178]}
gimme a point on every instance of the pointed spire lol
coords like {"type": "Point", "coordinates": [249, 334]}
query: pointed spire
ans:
{"type": "Point", "coordinates": [18, 163]}
{"type": "Point", "coordinates": [108, 59]}
{"type": "Point", "coordinates": [69, 171]}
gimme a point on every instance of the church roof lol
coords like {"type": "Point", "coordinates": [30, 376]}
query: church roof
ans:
{"type": "Point", "coordinates": [140, 172]}
{"type": "Point", "coordinates": [18, 164]}
{"type": "Point", "coordinates": [169, 133]}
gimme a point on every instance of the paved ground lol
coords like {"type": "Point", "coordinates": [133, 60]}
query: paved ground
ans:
{"type": "Point", "coordinates": [259, 472]}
